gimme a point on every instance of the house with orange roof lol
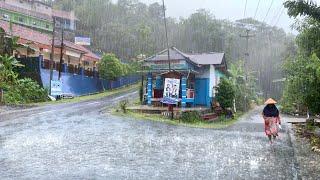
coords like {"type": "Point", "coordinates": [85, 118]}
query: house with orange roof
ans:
{"type": "Point", "coordinates": [74, 56]}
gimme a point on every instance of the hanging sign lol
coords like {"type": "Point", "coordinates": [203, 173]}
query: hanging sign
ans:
{"type": "Point", "coordinates": [56, 88]}
{"type": "Point", "coordinates": [171, 91]}
{"type": "Point", "coordinates": [84, 41]}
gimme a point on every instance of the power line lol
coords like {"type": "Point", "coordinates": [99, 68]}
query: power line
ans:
{"type": "Point", "coordinates": [245, 9]}
{"type": "Point", "coordinates": [255, 14]}
{"type": "Point", "coordinates": [279, 17]}
{"type": "Point", "coordinates": [268, 11]}
{"type": "Point", "coordinates": [278, 11]}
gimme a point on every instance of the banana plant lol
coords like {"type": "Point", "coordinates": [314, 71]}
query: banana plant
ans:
{"type": "Point", "coordinates": [9, 62]}
{"type": "Point", "coordinates": [7, 75]}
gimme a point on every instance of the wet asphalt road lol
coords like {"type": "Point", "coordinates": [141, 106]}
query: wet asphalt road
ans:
{"type": "Point", "coordinates": [82, 141]}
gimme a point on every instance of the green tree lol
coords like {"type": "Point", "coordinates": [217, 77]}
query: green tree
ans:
{"type": "Point", "coordinates": [303, 8]}
{"type": "Point", "coordinates": [225, 93]}
{"type": "Point", "coordinates": [302, 71]}
{"type": "Point", "coordinates": [303, 83]}
{"type": "Point", "coordinates": [245, 91]}
{"type": "Point", "coordinates": [110, 67]}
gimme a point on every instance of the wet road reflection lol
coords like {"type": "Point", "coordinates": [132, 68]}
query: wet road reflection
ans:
{"type": "Point", "coordinates": [95, 145]}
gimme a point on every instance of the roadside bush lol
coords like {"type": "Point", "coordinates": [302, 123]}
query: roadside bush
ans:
{"type": "Point", "coordinates": [124, 105]}
{"type": "Point", "coordinates": [190, 116]}
{"type": "Point", "coordinates": [25, 91]}
{"type": "Point", "coordinates": [12, 96]}
{"type": "Point", "coordinates": [31, 90]}
{"type": "Point", "coordinates": [225, 93]}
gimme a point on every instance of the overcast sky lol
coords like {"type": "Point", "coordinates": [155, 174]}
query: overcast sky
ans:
{"type": "Point", "coordinates": [232, 10]}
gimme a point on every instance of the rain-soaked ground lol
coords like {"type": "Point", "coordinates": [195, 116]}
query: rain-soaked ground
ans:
{"type": "Point", "coordinates": [81, 141]}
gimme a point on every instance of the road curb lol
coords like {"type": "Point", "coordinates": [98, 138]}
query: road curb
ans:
{"type": "Point", "coordinates": [292, 143]}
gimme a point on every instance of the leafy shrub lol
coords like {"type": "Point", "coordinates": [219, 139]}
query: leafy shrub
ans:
{"type": "Point", "coordinates": [225, 93]}
{"type": "Point", "coordinates": [190, 116]}
{"type": "Point", "coordinates": [25, 91]}
{"type": "Point", "coordinates": [31, 90]}
{"type": "Point", "coordinates": [124, 105]}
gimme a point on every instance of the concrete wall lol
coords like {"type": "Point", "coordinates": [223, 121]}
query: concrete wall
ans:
{"type": "Point", "coordinates": [208, 72]}
{"type": "Point", "coordinates": [212, 81]}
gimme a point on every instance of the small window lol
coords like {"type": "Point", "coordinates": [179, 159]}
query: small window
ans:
{"type": "Point", "coordinates": [47, 26]}
{"type": "Point", "coordinates": [6, 16]}
{"type": "Point", "coordinates": [20, 19]}
{"type": "Point", "coordinates": [86, 63]}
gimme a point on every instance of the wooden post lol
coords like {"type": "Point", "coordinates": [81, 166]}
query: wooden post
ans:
{"type": "Point", "coordinates": [1, 95]}
{"type": "Point", "coordinates": [61, 53]}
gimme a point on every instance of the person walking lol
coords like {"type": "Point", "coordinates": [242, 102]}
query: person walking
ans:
{"type": "Point", "coordinates": [271, 118]}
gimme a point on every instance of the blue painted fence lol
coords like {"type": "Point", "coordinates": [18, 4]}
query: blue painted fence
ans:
{"type": "Point", "coordinates": [74, 83]}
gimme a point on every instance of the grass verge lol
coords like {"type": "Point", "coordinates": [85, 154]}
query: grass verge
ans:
{"type": "Point", "coordinates": [92, 97]}
{"type": "Point", "coordinates": [220, 123]}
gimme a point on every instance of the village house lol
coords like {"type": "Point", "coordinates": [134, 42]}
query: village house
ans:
{"type": "Point", "coordinates": [32, 21]}
{"type": "Point", "coordinates": [199, 74]}
{"type": "Point", "coordinates": [35, 43]}
{"type": "Point", "coordinates": [36, 14]}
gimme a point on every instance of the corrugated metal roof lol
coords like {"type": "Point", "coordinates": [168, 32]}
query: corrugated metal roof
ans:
{"type": "Point", "coordinates": [207, 58]}
{"type": "Point", "coordinates": [199, 59]}
{"type": "Point", "coordinates": [163, 55]}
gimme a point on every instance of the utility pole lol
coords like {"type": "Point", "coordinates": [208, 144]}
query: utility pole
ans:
{"type": "Point", "coordinates": [247, 36]}
{"type": "Point", "coordinates": [61, 52]}
{"type": "Point", "coordinates": [52, 52]}
{"type": "Point", "coordinates": [166, 29]}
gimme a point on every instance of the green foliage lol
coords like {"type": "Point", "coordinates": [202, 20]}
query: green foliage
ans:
{"type": "Point", "coordinates": [225, 93]}
{"type": "Point", "coordinates": [18, 91]}
{"type": "Point", "coordinates": [133, 67]}
{"type": "Point", "coordinates": [7, 75]}
{"type": "Point", "coordinates": [303, 83]}
{"type": "Point", "coordinates": [111, 68]}
{"type": "Point", "coordinates": [302, 8]}
{"type": "Point", "coordinates": [25, 91]}
{"type": "Point", "coordinates": [242, 88]}
{"type": "Point", "coordinates": [190, 117]}
{"type": "Point", "coordinates": [124, 105]}
{"type": "Point", "coordinates": [303, 71]}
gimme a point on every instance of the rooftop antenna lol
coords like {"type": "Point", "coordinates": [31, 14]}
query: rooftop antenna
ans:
{"type": "Point", "coordinates": [165, 26]}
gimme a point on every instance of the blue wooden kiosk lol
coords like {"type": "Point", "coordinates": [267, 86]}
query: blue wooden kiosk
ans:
{"type": "Point", "coordinates": [199, 74]}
